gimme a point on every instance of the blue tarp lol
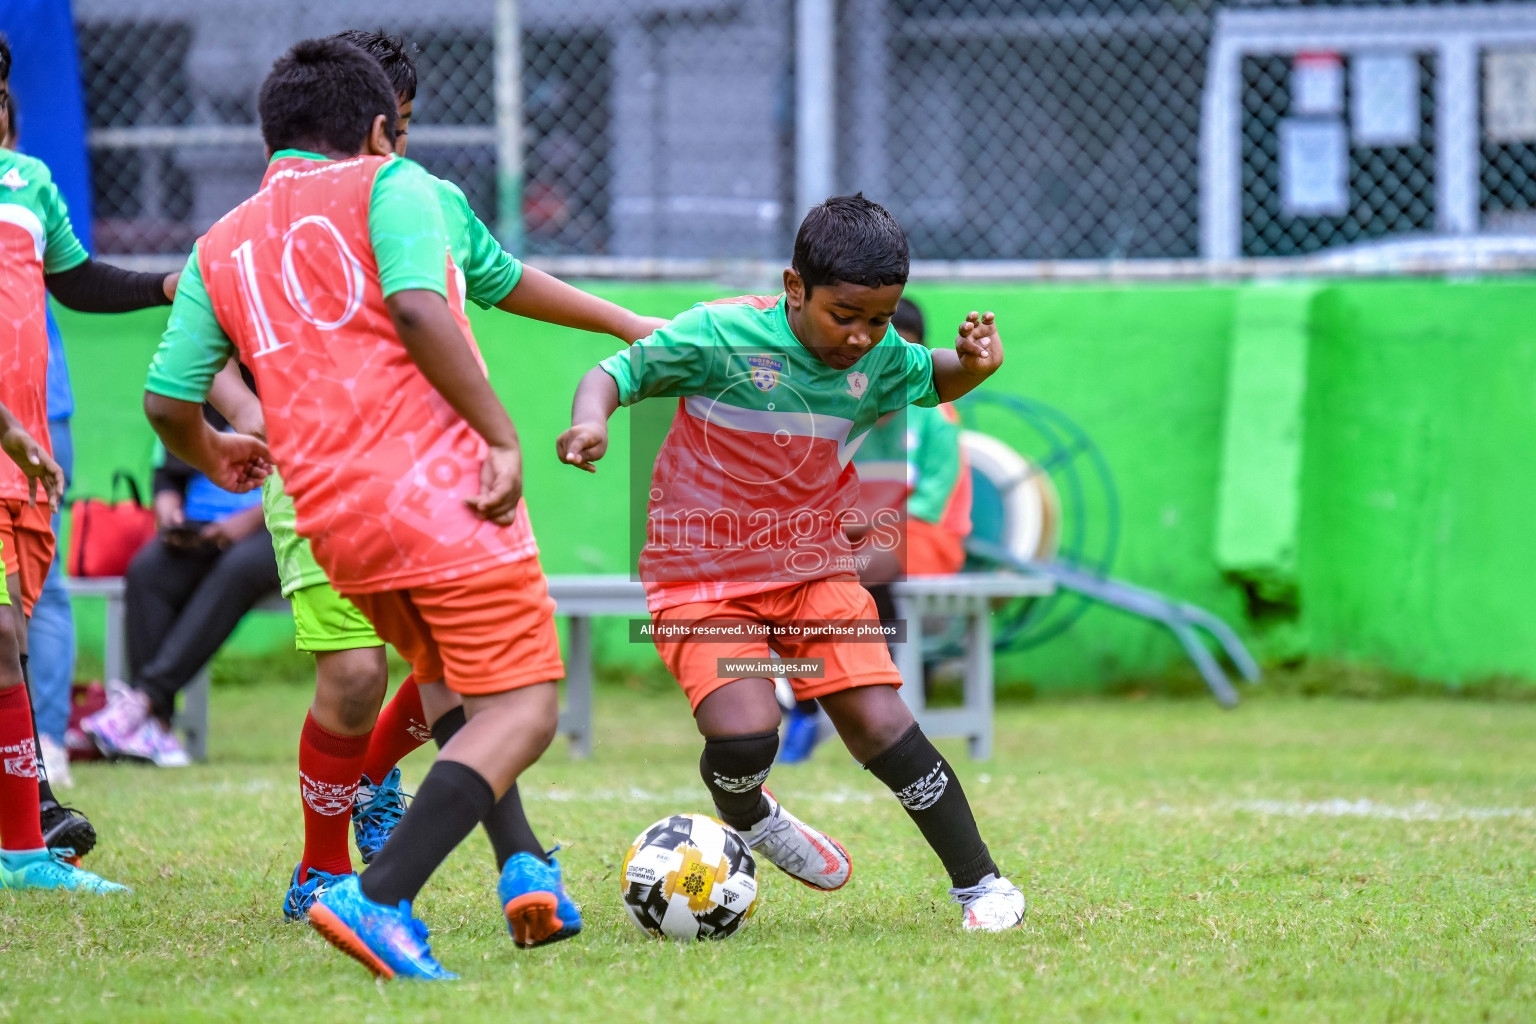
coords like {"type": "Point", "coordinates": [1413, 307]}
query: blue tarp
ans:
{"type": "Point", "coordinates": [45, 79]}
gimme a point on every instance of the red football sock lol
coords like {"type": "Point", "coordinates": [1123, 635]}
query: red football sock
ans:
{"type": "Point", "coordinates": [329, 766]}
{"type": "Point", "coordinates": [19, 827]}
{"type": "Point", "coordinates": [401, 728]}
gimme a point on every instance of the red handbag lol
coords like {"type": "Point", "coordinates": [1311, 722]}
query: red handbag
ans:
{"type": "Point", "coordinates": [105, 534]}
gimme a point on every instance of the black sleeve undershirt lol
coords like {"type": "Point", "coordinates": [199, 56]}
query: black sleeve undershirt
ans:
{"type": "Point", "coordinates": [94, 287]}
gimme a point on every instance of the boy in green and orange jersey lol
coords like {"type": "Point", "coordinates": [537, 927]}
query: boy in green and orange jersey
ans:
{"type": "Point", "coordinates": [337, 286]}
{"type": "Point", "coordinates": [747, 507]}
{"type": "Point", "coordinates": [39, 256]}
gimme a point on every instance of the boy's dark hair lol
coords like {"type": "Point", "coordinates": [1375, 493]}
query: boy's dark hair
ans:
{"type": "Point", "coordinates": [908, 320]}
{"type": "Point", "coordinates": [395, 55]}
{"type": "Point", "coordinates": [5, 59]}
{"type": "Point", "coordinates": [851, 240]}
{"type": "Point", "coordinates": [323, 95]}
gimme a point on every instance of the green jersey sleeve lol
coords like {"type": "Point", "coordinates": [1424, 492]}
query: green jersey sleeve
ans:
{"type": "Point", "coordinates": [490, 272]}
{"type": "Point", "coordinates": [909, 380]}
{"type": "Point", "coordinates": [194, 346]}
{"type": "Point", "coordinates": [673, 362]}
{"type": "Point", "coordinates": [407, 230]}
{"type": "Point", "coordinates": [61, 249]}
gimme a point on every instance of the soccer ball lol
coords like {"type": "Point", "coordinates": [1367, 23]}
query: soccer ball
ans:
{"type": "Point", "coordinates": [689, 877]}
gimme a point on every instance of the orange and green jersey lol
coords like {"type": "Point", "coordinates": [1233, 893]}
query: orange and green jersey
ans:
{"type": "Point", "coordinates": [35, 239]}
{"type": "Point", "coordinates": [490, 274]}
{"type": "Point", "coordinates": [922, 458]}
{"type": "Point", "coordinates": [294, 279]}
{"type": "Point", "coordinates": [754, 479]}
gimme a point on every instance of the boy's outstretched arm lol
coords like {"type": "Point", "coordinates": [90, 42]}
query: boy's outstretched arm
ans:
{"type": "Point", "coordinates": [29, 456]}
{"type": "Point", "coordinates": [597, 396]}
{"type": "Point", "coordinates": [235, 462]}
{"type": "Point", "coordinates": [977, 355]}
{"type": "Point", "coordinates": [539, 296]}
{"type": "Point", "coordinates": [237, 403]}
{"type": "Point", "coordinates": [436, 345]}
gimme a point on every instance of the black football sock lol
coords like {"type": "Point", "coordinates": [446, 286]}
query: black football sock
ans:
{"type": "Point", "coordinates": [506, 826]}
{"type": "Point", "coordinates": [449, 803]}
{"type": "Point", "coordinates": [927, 787]}
{"type": "Point", "coordinates": [807, 707]}
{"type": "Point", "coordinates": [44, 790]}
{"type": "Point", "coordinates": [735, 768]}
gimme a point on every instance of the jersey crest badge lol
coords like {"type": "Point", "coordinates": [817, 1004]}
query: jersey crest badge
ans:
{"type": "Point", "coordinates": [13, 180]}
{"type": "Point", "coordinates": [765, 371]}
{"type": "Point", "coordinates": [857, 384]}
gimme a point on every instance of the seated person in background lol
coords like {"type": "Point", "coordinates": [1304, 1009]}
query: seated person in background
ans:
{"type": "Point", "coordinates": [187, 590]}
{"type": "Point", "coordinates": [914, 457]}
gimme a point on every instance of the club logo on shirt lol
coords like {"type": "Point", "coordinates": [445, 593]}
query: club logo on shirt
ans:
{"type": "Point", "coordinates": [857, 384]}
{"type": "Point", "coordinates": [13, 180]}
{"type": "Point", "coordinates": [765, 371]}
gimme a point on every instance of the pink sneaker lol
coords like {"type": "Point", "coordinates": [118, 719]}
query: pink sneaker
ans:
{"type": "Point", "coordinates": [112, 726]}
{"type": "Point", "coordinates": [155, 743]}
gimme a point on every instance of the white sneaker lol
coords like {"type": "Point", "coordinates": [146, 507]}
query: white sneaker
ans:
{"type": "Point", "coordinates": [152, 742]}
{"type": "Point", "coordinates": [992, 905]}
{"type": "Point", "coordinates": [55, 761]}
{"type": "Point", "coordinates": [113, 726]}
{"type": "Point", "coordinates": [801, 852]}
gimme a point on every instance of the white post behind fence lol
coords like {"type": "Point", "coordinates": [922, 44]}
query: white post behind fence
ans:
{"type": "Point", "coordinates": [509, 126]}
{"type": "Point", "coordinates": [815, 86]}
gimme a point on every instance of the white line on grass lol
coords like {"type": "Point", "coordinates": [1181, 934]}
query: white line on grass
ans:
{"type": "Point", "coordinates": [680, 795]}
{"type": "Point", "coordinates": [1363, 808]}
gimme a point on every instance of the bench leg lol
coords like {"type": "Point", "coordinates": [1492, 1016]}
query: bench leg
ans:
{"type": "Point", "coordinates": [193, 718]}
{"type": "Point", "coordinates": [115, 649]}
{"type": "Point", "coordinates": [909, 656]}
{"type": "Point", "coordinates": [576, 722]}
{"type": "Point", "coordinates": [978, 679]}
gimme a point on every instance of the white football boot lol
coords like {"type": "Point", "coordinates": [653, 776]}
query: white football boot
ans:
{"type": "Point", "coordinates": [992, 905]}
{"type": "Point", "coordinates": [801, 852]}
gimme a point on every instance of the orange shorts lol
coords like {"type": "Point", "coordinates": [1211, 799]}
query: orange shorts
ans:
{"type": "Point", "coordinates": [932, 550]}
{"type": "Point", "coordinates": [26, 546]}
{"type": "Point", "coordinates": [482, 634]}
{"type": "Point", "coordinates": [848, 663]}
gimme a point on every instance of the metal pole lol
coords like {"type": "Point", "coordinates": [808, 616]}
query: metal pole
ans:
{"type": "Point", "coordinates": [1456, 135]}
{"type": "Point", "coordinates": [815, 28]}
{"type": "Point", "coordinates": [509, 126]}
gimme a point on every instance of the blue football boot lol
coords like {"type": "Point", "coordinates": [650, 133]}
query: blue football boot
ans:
{"type": "Point", "coordinates": [302, 895]}
{"type": "Point", "coordinates": [375, 813]}
{"type": "Point", "coordinates": [533, 898]}
{"type": "Point", "coordinates": [51, 869]}
{"type": "Point", "coordinates": [386, 940]}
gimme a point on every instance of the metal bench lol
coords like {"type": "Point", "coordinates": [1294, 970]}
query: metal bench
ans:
{"type": "Point", "coordinates": [580, 599]}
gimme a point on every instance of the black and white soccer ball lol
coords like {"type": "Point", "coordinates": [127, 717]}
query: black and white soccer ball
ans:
{"type": "Point", "coordinates": [689, 877]}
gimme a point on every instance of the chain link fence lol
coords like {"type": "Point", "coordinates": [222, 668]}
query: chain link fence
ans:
{"type": "Point", "coordinates": [1142, 130]}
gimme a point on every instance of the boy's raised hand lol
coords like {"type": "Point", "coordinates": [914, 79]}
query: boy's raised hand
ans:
{"type": "Point", "coordinates": [583, 444]}
{"type": "Point", "coordinates": [37, 464]}
{"type": "Point", "coordinates": [978, 346]}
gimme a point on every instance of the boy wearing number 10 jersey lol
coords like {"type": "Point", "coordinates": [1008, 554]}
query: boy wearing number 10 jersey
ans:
{"type": "Point", "coordinates": [349, 748]}
{"type": "Point", "coordinates": [336, 286]}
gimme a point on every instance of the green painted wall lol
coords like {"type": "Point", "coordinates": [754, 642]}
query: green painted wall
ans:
{"type": "Point", "coordinates": [1412, 545]}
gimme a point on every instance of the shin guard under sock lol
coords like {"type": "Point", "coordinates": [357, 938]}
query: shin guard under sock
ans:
{"type": "Point", "coordinates": [926, 785]}
{"type": "Point", "coordinates": [19, 825]}
{"type": "Point", "coordinates": [449, 803]}
{"type": "Point", "coordinates": [401, 728]}
{"type": "Point", "coordinates": [506, 825]}
{"type": "Point", "coordinates": [329, 767]}
{"type": "Point", "coordinates": [735, 768]}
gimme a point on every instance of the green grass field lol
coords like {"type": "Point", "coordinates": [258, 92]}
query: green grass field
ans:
{"type": "Point", "coordinates": [1295, 860]}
